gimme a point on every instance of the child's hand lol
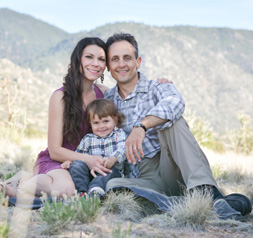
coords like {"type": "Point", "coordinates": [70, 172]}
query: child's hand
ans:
{"type": "Point", "coordinates": [66, 164]}
{"type": "Point", "coordinates": [109, 162]}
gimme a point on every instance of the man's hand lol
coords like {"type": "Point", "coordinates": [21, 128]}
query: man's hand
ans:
{"type": "Point", "coordinates": [96, 165]}
{"type": "Point", "coordinates": [134, 145]}
{"type": "Point", "coordinates": [164, 80]}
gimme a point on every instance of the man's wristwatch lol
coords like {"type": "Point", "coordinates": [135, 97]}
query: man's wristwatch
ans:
{"type": "Point", "coordinates": [141, 125]}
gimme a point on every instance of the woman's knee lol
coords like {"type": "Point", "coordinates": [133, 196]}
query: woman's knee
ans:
{"type": "Point", "coordinates": [68, 188]}
{"type": "Point", "coordinates": [62, 183]}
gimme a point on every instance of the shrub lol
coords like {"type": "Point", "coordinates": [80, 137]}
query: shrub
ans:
{"type": "Point", "coordinates": [203, 133]}
{"type": "Point", "coordinates": [219, 173]}
{"type": "Point", "coordinates": [86, 208]}
{"type": "Point", "coordinates": [61, 212]}
{"type": "Point", "coordinates": [241, 140]}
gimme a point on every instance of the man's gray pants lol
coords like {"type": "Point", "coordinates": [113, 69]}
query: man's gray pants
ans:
{"type": "Point", "coordinates": [180, 164]}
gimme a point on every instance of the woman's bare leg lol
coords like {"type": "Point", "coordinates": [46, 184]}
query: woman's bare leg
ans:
{"type": "Point", "coordinates": [58, 180]}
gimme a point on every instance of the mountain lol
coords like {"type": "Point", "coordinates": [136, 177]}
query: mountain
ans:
{"type": "Point", "coordinates": [211, 67]}
{"type": "Point", "coordinates": [24, 38]}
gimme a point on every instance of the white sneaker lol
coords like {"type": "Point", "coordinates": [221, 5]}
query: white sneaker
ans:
{"type": "Point", "coordinates": [96, 191]}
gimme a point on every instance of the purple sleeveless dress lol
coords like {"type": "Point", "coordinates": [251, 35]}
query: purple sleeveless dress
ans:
{"type": "Point", "coordinates": [44, 163]}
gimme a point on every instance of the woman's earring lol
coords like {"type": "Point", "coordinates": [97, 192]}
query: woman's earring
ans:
{"type": "Point", "coordinates": [102, 78]}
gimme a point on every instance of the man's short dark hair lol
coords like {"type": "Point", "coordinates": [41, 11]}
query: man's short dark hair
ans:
{"type": "Point", "coordinates": [121, 37]}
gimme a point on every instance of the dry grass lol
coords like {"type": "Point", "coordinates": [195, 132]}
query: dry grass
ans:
{"type": "Point", "coordinates": [122, 215]}
{"type": "Point", "coordinates": [237, 170]}
{"type": "Point", "coordinates": [124, 205]}
{"type": "Point", "coordinates": [193, 211]}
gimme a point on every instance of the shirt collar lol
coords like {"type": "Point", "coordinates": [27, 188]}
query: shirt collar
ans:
{"type": "Point", "coordinates": [141, 87]}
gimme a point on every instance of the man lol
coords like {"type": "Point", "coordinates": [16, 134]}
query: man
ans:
{"type": "Point", "coordinates": [168, 155]}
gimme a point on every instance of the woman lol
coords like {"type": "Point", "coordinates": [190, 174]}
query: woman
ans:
{"type": "Point", "coordinates": [66, 124]}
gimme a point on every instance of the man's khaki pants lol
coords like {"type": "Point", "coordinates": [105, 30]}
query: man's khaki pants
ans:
{"type": "Point", "coordinates": [181, 164]}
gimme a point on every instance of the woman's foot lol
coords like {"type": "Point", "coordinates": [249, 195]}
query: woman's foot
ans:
{"type": "Point", "coordinates": [8, 190]}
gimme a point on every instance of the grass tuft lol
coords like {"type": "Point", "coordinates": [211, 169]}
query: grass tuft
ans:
{"type": "Point", "coordinates": [193, 211]}
{"type": "Point", "coordinates": [124, 204]}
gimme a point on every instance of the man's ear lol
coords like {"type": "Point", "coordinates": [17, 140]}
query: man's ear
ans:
{"type": "Point", "coordinates": [138, 62]}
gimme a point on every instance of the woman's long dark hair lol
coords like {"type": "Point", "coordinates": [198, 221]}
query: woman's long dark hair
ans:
{"type": "Point", "coordinates": [73, 88]}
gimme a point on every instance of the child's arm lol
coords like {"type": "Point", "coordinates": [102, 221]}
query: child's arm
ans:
{"type": "Point", "coordinates": [84, 145]}
{"type": "Point", "coordinates": [119, 153]}
{"type": "Point", "coordinates": [66, 164]}
{"type": "Point", "coordinates": [109, 162]}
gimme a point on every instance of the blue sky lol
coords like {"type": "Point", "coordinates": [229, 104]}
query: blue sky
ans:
{"type": "Point", "coordinates": [79, 15]}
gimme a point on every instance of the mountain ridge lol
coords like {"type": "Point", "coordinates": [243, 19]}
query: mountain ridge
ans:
{"type": "Point", "coordinates": [211, 67]}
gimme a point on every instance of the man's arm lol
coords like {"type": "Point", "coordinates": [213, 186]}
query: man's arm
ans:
{"type": "Point", "coordinates": [134, 141]}
{"type": "Point", "coordinates": [169, 107]}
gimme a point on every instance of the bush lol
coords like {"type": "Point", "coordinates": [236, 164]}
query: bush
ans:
{"type": "Point", "coordinates": [203, 133]}
{"type": "Point", "coordinates": [241, 140]}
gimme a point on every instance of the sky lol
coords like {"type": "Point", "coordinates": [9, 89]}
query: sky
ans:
{"type": "Point", "coordinates": [84, 15]}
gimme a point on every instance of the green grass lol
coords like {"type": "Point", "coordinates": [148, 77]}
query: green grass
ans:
{"type": "Point", "coordinates": [61, 213]}
{"type": "Point", "coordinates": [219, 173]}
{"type": "Point", "coordinates": [119, 233]}
{"type": "Point", "coordinates": [4, 230]}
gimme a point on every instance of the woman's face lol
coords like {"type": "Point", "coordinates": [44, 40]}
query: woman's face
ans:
{"type": "Point", "coordinates": [93, 62]}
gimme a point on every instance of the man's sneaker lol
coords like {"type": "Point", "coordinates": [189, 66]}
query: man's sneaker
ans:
{"type": "Point", "coordinates": [225, 211]}
{"type": "Point", "coordinates": [239, 202]}
{"type": "Point", "coordinates": [96, 191]}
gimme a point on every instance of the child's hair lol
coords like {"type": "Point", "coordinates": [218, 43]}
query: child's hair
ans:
{"type": "Point", "coordinates": [104, 108]}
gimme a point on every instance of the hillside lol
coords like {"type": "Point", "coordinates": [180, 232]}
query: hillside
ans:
{"type": "Point", "coordinates": [28, 96]}
{"type": "Point", "coordinates": [211, 67]}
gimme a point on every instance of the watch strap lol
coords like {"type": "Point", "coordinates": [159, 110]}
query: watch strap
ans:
{"type": "Point", "coordinates": [142, 126]}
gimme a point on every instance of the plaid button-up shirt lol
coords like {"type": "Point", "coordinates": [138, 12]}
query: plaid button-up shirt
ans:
{"type": "Point", "coordinates": [111, 145]}
{"type": "Point", "coordinates": [149, 98]}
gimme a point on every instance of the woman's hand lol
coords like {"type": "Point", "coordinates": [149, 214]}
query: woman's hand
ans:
{"type": "Point", "coordinates": [96, 165]}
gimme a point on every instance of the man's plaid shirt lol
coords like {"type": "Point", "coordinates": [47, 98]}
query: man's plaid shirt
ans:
{"type": "Point", "coordinates": [149, 98]}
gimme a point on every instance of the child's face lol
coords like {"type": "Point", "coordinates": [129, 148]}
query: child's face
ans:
{"type": "Point", "coordinates": [102, 127]}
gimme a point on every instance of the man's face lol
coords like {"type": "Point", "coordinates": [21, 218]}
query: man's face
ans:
{"type": "Point", "coordinates": [122, 62]}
